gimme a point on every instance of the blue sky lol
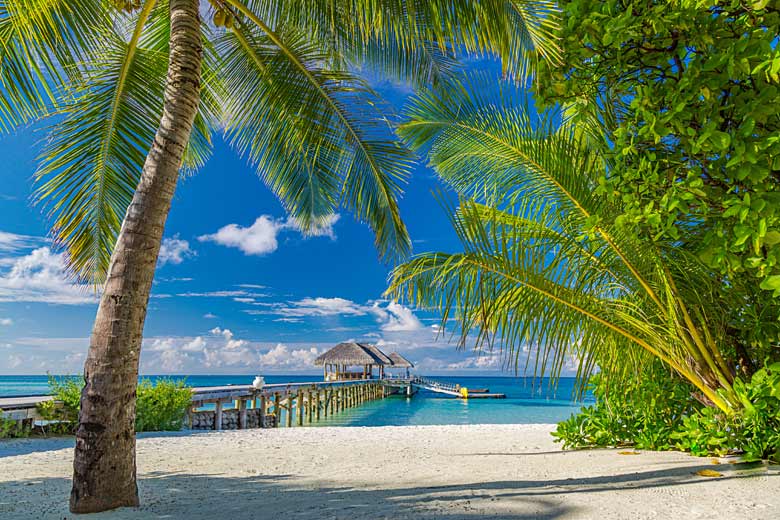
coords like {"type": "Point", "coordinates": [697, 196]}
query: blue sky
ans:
{"type": "Point", "coordinates": [238, 288]}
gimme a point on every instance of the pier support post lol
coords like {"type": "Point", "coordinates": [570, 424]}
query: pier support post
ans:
{"type": "Point", "coordinates": [317, 400]}
{"type": "Point", "coordinates": [218, 416]}
{"type": "Point", "coordinates": [261, 422]}
{"type": "Point", "coordinates": [242, 414]}
{"type": "Point", "coordinates": [277, 410]}
{"type": "Point", "coordinates": [289, 408]}
{"type": "Point", "coordinates": [300, 407]}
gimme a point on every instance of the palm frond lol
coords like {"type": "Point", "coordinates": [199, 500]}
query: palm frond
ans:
{"type": "Point", "coordinates": [314, 132]}
{"type": "Point", "coordinates": [92, 160]}
{"type": "Point", "coordinates": [40, 41]}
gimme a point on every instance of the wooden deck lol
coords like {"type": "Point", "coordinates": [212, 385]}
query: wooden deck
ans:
{"type": "Point", "coordinates": [277, 404]}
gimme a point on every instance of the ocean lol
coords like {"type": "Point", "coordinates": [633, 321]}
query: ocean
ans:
{"type": "Point", "coordinates": [527, 402]}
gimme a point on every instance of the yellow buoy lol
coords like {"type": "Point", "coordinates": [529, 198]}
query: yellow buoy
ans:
{"type": "Point", "coordinates": [464, 393]}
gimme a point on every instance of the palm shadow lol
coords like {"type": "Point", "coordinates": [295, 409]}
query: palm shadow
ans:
{"type": "Point", "coordinates": [195, 496]}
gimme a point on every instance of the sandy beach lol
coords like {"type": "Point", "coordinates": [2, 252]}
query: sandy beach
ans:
{"type": "Point", "coordinates": [448, 472]}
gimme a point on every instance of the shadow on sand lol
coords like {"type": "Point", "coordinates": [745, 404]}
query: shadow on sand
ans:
{"type": "Point", "coordinates": [280, 497]}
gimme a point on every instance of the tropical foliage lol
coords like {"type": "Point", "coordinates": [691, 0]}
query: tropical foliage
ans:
{"type": "Point", "coordinates": [11, 429]}
{"type": "Point", "coordinates": [546, 260]}
{"type": "Point", "coordinates": [657, 413]}
{"type": "Point", "coordinates": [161, 405]}
{"type": "Point", "coordinates": [695, 87]}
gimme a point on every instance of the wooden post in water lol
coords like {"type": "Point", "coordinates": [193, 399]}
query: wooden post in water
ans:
{"type": "Point", "coordinates": [289, 409]}
{"type": "Point", "coordinates": [310, 401]}
{"type": "Point", "coordinates": [218, 416]}
{"type": "Point", "coordinates": [261, 422]}
{"type": "Point", "coordinates": [277, 410]}
{"type": "Point", "coordinates": [300, 407]}
{"type": "Point", "coordinates": [242, 414]}
{"type": "Point", "coordinates": [317, 400]}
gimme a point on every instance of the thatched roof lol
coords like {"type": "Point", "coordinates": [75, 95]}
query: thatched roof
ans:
{"type": "Point", "coordinates": [351, 353]}
{"type": "Point", "coordinates": [399, 361]}
{"type": "Point", "coordinates": [381, 356]}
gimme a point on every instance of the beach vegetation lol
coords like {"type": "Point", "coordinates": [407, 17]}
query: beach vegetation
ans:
{"type": "Point", "coordinates": [62, 412]}
{"type": "Point", "coordinates": [138, 91]}
{"type": "Point", "coordinates": [546, 260]}
{"type": "Point", "coordinates": [628, 226]}
{"type": "Point", "coordinates": [12, 429]}
{"type": "Point", "coordinates": [656, 412]}
{"type": "Point", "coordinates": [161, 405]}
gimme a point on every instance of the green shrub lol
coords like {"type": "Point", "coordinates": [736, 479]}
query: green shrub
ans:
{"type": "Point", "coordinates": [643, 414]}
{"type": "Point", "coordinates": [62, 417]}
{"type": "Point", "coordinates": [12, 429]}
{"type": "Point", "coordinates": [161, 406]}
{"type": "Point", "coordinates": [659, 413]}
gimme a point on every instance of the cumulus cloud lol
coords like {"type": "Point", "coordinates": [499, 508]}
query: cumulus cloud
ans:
{"type": "Point", "coordinates": [6, 322]}
{"type": "Point", "coordinates": [281, 356]}
{"type": "Point", "coordinates": [221, 351]}
{"type": "Point", "coordinates": [261, 238]}
{"type": "Point", "coordinates": [41, 276]}
{"type": "Point", "coordinates": [398, 318]}
{"type": "Point", "coordinates": [174, 251]}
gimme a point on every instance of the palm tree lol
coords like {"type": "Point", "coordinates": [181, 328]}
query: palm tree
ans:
{"type": "Point", "coordinates": [545, 262]}
{"type": "Point", "coordinates": [136, 93]}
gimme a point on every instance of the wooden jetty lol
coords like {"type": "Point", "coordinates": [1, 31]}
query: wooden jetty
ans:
{"type": "Point", "coordinates": [292, 404]}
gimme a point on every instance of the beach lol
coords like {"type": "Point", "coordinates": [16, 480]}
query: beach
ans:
{"type": "Point", "coordinates": [446, 472]}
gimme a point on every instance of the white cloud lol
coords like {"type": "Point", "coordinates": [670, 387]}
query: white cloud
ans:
{"type": "Point", "coordinates": [14, 242]}
{"type": "Point", "coordinates": [15, 361]}
{"type": "Point", "coordinates": [209, 316]}
{"type": "Point", "coordinates": [41, 276]}
{"type": "Point", "coordinates": [281, 356]}
{"type": "Point", "coordinates": [398, 318]}
{"type": "Point", "coordinates": [6, 322]}
{"type": "Point", "coordinates": [257, 239]}
{"type": "Point", "coordinates": [392, 316]}
{"type": "Point", "coordinates": [323, 307]}
{"type": "Point", "coordinates": [222, 294]}
{"type": "Point", "coordinates": [174, 251]}
{"type": "Point", "coordinates": [261, 237]}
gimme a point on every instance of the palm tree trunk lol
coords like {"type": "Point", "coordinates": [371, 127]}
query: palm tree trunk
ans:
{"type": "Point", "coordinates": [104, 466]}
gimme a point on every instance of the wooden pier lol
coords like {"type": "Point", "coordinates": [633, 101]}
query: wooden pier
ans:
{"type": "Point", "coordinates": [274, 405]}
{"type": "Point", "coordinates": [293, 404]}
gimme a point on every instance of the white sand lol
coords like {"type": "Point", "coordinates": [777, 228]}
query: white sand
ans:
{"type": "Point", "coordinates": [445, 472]}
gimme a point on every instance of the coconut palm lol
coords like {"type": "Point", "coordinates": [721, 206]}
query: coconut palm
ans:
{"type": "Point", "coordinates": [545, 263]}
{"type": "Point", "coordinates": [134, 92]}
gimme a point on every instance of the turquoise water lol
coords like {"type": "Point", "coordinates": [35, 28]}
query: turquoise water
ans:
{"type": "Point", "coordinates": [525, 403]}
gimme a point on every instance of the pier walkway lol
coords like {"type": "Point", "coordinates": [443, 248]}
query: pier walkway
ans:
{"type": "Point", "coordinates": [273, 405]}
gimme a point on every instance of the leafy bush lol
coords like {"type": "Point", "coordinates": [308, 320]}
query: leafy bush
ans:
{"type": "Point", "coordinates": [12, 429]}
{"type": "Point", "coordinates": [161, 406]}
{"type": "Point", "coordinates": [62, 418]}
{"type": "Point", "coordinates": [643, 414]}
{"type": "Point", "coordinates": [659, 413]}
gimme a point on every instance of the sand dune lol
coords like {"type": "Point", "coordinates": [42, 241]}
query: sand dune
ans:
{"type": "Point", "coordinates": [444, 472]}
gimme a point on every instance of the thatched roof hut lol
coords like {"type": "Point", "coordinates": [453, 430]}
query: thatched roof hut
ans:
{"type": "Point", "coordinates": [351, 353]}
{"type": "Point", "coordinates": [367, 356]}
{"type": "Point", "coordinates": [399, 361]}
